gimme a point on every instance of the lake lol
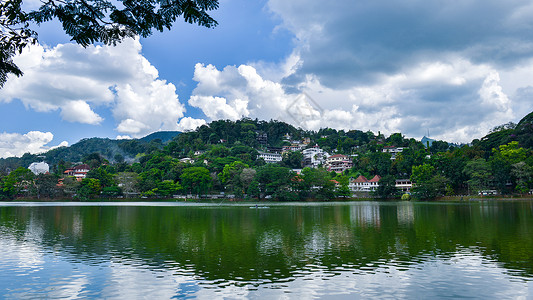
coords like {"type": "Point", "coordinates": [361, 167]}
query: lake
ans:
{"type": "Point", "coordinates": [289, 250]}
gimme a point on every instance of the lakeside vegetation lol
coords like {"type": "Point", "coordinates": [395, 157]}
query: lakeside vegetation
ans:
{"type": "Point", "coordinates": [221, 159]}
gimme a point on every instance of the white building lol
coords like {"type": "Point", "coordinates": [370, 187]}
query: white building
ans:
{"type": "Point", "coordinates": [313, 157]}
{"type": "Point", "coordinates": [361, 184]}
{"type": "Point", "coordinates": [39, 168]}
{"type": "Point", "coordinates": [338, 163]}
{"type": "Point", "coordinates": [393, 150]}
{"type": "Point", "coordinates": [270, 157]}
{"type": "Point", "coordinates": [79, 171]}
{"type": "Point", "coordinates": [404, 185]}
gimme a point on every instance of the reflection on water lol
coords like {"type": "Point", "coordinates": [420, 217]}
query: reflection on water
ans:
{"type": "Point", "coordinates": [399, 250]}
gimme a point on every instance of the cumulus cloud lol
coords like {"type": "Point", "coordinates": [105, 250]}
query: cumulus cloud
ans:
{"type": "Point", "coordinates": [75, 80]}
{"type": "Point", "coordinates": [188, 123]}
{"type": "Point", "coordinates": [455, 99]}
{"type": "Point", "coordinates": [346, 42]}
{"type": "Point", "coordinates": [408, 67]}
{"type": "Point", "coordinates": [79, 111]}
{"type": "Point", "coordinates": [15, 144]}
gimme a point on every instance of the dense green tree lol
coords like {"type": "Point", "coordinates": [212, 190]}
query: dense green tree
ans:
{"type": "Point", "coordinates": [511, 152]}
{"type": "Point", "coordinates": [89, 188]}
{"type": "Point", "coordinates": [253, 190]}
{"type": "Point", "coordinates": [343, 190]}
{"type": "Point", "coordinates": [111, 191]}
{"type": "Point", "coordinates": [231, 177]}
{"type": "Point", "coordinates": [396, 139]}
{"type": "Point", "coordinates": [523, 174]}
{"type": "Point", "coordinates": [101, 174]}
{"type": "Point", "coordinates": [387, 187]}
{"type": "Point", "coordinates": [438, 146]}
{"type": "Point", "coordinates": [166, 188]}
{"type": "Point", "coordinates": [148, 180]}
{"type": "Point", "coordinates": [18, 181]}
{"type": "Point", "coordinates": [292, 159]}
{"type": "Point", "coordinates": [196, 180]}
{"type": "Point", "coordinates": [479, 173]}
{"type": "Point", "coordinates": [94, 160]}
{"type": "Point", "coordinates": [46, 186]}
{"type": "Point", "coordinates": [501, 173]}
{"type": "Point", "coordinates": [316, 184]}
{"type": "Point", "coordinates": [276, 181]}
{"type": "Point", "coordinates": [426, 183]}
{"type": "Point", "coordinates": [451, 165]}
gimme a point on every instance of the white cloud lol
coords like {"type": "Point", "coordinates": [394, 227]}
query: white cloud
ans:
{"type": "Point", "coordinates": [411, 67]}
{"type": "Point", "coordinates": [345, 42]}
{"type": "Point", "coordinates": [79, 111]}
{"type": "Point", "coordinates": [75, 80]}
{"type": "Point", "coordinates": [131, 126]}
{"type": "Point", "coordinates": [455, 99]}
{"type": "Point", "coordinates": [123, 137]}
{"type": "Point", "coordinates": [189, 123]}
{"type": "Point", "coordinates": [15, 144]}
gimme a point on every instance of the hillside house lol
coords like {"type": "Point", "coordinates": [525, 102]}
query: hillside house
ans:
{"type": "Point", "coordinates": [362, 184]}
{"type": "Point", "coordinates": [338, 163]}
{"type": "Point", "coordinates": [313, 157]}
{"type": "Point", "coordinates": [393, 150]}
{"type": "Point", "coordinates": [79, 171]}
{"type": "Point", "coordinates": [404, 185]}
{"type": "Point", "coordinates": [270, 157]}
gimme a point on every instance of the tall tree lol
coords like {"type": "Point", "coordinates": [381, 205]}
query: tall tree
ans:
{"type": "Point", "coordinates": [479, 173]}
{"type": "Point", "coordinates": [196, 180]}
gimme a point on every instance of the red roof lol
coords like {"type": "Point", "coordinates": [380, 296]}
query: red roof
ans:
{"type": "Point", "coordinates": [375, 179]}
{"type": "Point", "coordinates": [337, 155]}
{"type": "Point", "coordinates": [82, 167]}
{"type": "Point", "coordinates": [361, 178]}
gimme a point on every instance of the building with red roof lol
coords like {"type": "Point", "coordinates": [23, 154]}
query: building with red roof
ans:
{"type": "Point", "coordinates": [362, 184]}
{"type": "Point", "coordinates": [79, 171]}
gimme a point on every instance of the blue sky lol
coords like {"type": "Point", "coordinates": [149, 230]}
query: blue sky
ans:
{"type": "Point", "coordinates": [454, 68]}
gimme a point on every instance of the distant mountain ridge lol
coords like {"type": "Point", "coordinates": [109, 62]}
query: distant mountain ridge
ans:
{"type": "Point", "coordinates": [164, 136]}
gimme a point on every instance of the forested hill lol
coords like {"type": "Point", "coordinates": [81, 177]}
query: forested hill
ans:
{"type": "Point", "coordinates": [260, 135]}
{"type": "Point", "coordinates": [503, 134]}
{"type": "Point", "coordinates": [112, 150]}
{"type": "Point", "coordinates": [164, 136]}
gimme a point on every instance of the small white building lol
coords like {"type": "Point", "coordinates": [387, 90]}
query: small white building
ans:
{"type": "Point", "coordinates": [404, 185]}
{"type": "Point", "coordinates": [313, 157]}
{"type": "Point", "coordinates": [270, 157]}
{"type": "Point", "coordinates": [187, 160]}
{"type": "Point", "coordinates": [39, 168]}
{"type": "Point", "coordinates": [393, 150]}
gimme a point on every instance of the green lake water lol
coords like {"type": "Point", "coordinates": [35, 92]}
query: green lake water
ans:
{"type": "Point", "coordinates": [481, 250]}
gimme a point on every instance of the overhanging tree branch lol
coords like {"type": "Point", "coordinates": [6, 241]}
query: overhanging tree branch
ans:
{"type": "Point", "coordinates": [92, 21]}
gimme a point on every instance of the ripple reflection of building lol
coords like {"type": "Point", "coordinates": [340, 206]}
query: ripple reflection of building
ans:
{"type": "Point", "coordinates": [366, 215]}
{"type": "Point", "coordinates": [405, 213]}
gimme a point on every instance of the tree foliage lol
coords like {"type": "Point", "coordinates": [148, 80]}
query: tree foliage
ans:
{"type": "Point", "coordinates": [92, 21]}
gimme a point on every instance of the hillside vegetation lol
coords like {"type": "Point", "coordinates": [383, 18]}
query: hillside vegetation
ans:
{"type": "Point", "coordinates": [223, 157]}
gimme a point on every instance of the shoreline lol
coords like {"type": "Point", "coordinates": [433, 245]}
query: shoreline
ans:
{"type": "Point", "coordinates": [239, 202]}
